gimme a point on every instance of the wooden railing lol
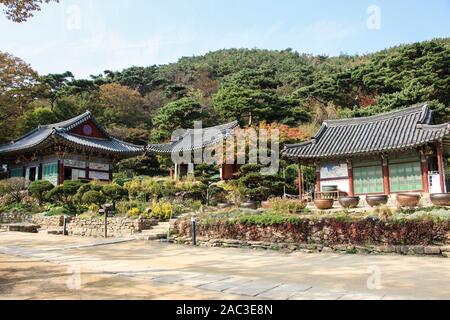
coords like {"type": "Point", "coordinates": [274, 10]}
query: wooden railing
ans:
{"type": "Point", "coordinates": [329, 195]}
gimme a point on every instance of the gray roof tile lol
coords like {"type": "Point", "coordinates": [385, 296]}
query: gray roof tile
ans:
{"type": "Point", "coordinates": [401, 129]}
{"type": "Point", "coordinates": [192, 140]}
{"type": "Point", "coordinates": [61, 130]}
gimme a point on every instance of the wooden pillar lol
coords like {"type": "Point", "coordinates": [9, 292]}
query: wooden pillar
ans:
{"type": "Point", "coordinates": [351, 184]}
{"type": "Point", "coordinates": [60, 172]}
{"type": "Point", "coordinates": [387, 186]}
{"type": "Point", "coordinates": [300, 180]}
{"type": "Point", "coordinates": [425, 180]}
{"type": "Point", "coordinates": [440, 160]}
{"type": "Point", "coordinates": [176, 172]}
{"type": "Point", "coordinates": [318, 178]}
{"type": "Point", "coordinates": [40, 172]}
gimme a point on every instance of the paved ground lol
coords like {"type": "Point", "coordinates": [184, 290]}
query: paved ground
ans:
{"type": "Point", "coordinates": [56, 267]}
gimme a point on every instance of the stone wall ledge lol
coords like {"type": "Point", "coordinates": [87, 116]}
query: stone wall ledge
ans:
{"type": "Point", "coordinates": [417, 250]}
{"type": "Point", "coordinates": [89, 227]}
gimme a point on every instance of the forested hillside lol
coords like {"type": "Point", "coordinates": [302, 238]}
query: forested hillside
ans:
{"type": "Point", "coordinates": [146, 103]}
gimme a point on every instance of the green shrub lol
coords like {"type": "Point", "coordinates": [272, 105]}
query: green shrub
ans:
{"type": "Point", "coordinates": [114, 193]}
{"type": "Point", "coordinates": [162, 210]}
{"type": "Point", "coordinates": [57, 211]}
{"type": "Point", "coordinates": [94, 208]}
{"type": "Point", "coordinates": [258, 187]}
{"type": "Point", "coordinates": [38, 189]}
{"type": "Point", "coordinates": [150, 188]}
{"type": "Point", "coordinates": [134, 213]}
{"type": "Point", "coordinates": [267, 219]}
{"type": "Point", "coordinates": [93, 197]}
{"type": "Point", "coordinates": [77, 199]}
{"type": "Point", "coordinates": [250, 168]}
{"type": "Point", "coordinates": [64, 194]}
{"type": "Point", "coordinates": [216, 194]}
{"type": "Point", "coordinates": [286, 206]}
{"type": "Point", "coordinates": [122, 207]}
{"type": "Point", "coordinates": [385, 213]}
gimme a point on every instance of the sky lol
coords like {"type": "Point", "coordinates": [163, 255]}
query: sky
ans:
{"type": "Point", "coordinates": [90, 36]}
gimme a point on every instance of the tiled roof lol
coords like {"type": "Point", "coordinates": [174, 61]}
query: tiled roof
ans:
{"type": "Point", "coordinates": [194, 139]}
{"type": "Point", "coordinates": [398, 130]}
{"type": "Point", "coordinates": [34, 139]}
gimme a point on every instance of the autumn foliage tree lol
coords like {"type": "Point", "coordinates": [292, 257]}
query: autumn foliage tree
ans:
{"type": "Point", "coordinates": [17, 84]}
{"type": "Point", "coordinates": [21, 10]}
{"type": "Point", "coordinates": [120, 104]}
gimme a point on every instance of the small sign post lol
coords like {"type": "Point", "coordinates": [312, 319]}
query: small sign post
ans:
{"type": "Point", "coordinates": [194, 240]}
{"type": "Point", "coordinates": [65, 225]}
{"type": "Point", "coordinates": [106, 221]}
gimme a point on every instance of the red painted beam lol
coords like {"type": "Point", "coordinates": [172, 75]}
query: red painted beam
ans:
{"type": "Point", "coordinates": [318, 178]}
{"type": "Point", "coordinates": [424, 165]}
{"type": "Point", "coordinates": [440, 165]}
{"type": "Point", "coordinates": [387, 186]}
{"type": "Point", "coordinates": [351, 183]}
{"type": "Point", "coordinates": [300, 181]}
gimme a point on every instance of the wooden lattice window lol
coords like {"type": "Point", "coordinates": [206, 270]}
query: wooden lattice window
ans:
{"type": "Point", "coordinates": [405, 177]}
{"type": "Point", "coordinates": [16, 173]}
{"type": "Point", "coordinates": [368, 180]}
{"type": "Point", "coordinates": [50, 173]}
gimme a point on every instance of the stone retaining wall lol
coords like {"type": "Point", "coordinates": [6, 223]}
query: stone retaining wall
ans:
{"type": "Point", "coordinates": [328, 234]}
{"type": "Point", "coordinates": [13, 217]}
{"type": "Point", "coordinates": [91, 227]}
{"type": "Point", "coordinates": [117, 227]}
{"type": "Point", "coordinates": [443, 250]}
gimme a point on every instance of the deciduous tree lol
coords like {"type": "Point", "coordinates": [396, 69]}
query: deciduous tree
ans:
{"type": "Point", "coordinates": [21, 10]}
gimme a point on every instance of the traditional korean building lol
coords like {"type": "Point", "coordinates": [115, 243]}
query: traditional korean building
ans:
{"type": "Point", "coordinates": [192, 141]}
{"type": "Point", "coordinates": [396, 152]}
{"type": "Point", "coordinates": [78, 148]}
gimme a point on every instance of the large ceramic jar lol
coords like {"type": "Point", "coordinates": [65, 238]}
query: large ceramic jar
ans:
{"type": "Point", "coordinates": [440, 199]}
{"type": "Point", "coordinates": [249, 204]}
{"type": "Point", "coordinates": [324, 204]}
{"type": "Point", "coordinates": [376, 200]}
{"type": "Point", "coordinates": [349, 202]}
{"type": "Point", "coordinates": [408, 200]}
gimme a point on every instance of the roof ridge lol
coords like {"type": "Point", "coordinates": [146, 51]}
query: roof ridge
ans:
{"type": "Point", "coordinates": [69, 122]}
{"type": "Point", "coordinates": [100, 139]}
{"type": "Point", "coordinates": [422, 107]}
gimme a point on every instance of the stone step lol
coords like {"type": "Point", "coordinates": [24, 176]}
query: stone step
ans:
{"type": "Point", "coordinates": [21, 227]}
{"type": "Point", "coordinates": [157, 232]}
{"type": "Point", "coordinates": [155, 236]}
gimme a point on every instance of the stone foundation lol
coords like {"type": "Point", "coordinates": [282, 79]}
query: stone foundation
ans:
{"type": "Point", "coordinates": [92, 227]}
{"type": "Point", "coordinates": [443, 250]}
{"type": "Point", "coordinates": [367, 235]}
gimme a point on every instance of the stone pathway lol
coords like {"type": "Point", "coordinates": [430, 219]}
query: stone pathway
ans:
{"type": "Point", "coordinates": [227, 272]}
{"type": "Point", "coordinates": [238, 285]}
